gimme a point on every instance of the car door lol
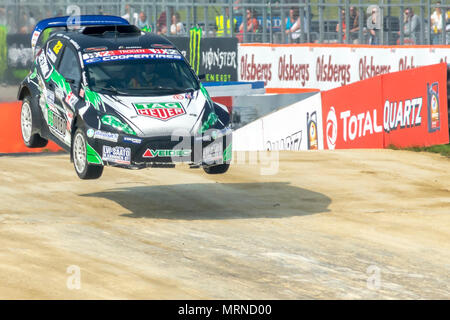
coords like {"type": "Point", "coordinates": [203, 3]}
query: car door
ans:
{"type": "Point", "coordinates": [49, 60]}
{"type": "Point", "coordinates": [62, 90]}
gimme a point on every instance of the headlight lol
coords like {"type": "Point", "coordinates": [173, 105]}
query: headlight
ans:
{"type": "Point", "coordinates": [117, 124]}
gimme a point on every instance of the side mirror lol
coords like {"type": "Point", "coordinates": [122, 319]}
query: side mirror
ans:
{"type": "Point", "coordinates": [202, 76]}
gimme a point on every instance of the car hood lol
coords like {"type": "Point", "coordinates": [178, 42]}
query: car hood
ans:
{"type": "Point", "coordinates": [159, 115]}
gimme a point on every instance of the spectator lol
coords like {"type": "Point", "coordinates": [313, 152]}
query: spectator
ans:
{"type": "Point", "coordinates": [436, 24]}
{"type": "Point", "coordinates": [354, 24]}
{"type": "Point", "coordinates": [344, 27]}
{"type": "Point", "coordinates": [143, 22]}
{"type": "Point", "coordinates": [24, 24]}
{"type": "Point", "coordinates": [373, 26]}
{"type": "Point", "coordinates": [177, 27]}
{"type": "Point", "coordinates": [131, 18]}
{"type": "Point", "coordinates": [220, 23]}
{"type": "Point", "coordinates": [447, 27]}
{"type": "Point", "coordinates": [293, 25]}
{"type": "Point", "coordinates": [31, 21]}
{"type": "Point", "coordinates": [161, 23]}
{"type": "Point", "coordinates": [2, 16]}
{"type": "Point", "coordinates": [411, 24]}
{"type": "Point", "coordinates": [252, 25]}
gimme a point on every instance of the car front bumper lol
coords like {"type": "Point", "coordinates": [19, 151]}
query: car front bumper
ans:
{"type": "Point", "coordinates": [122, 150]}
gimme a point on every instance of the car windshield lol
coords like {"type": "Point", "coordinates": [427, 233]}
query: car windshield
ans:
{"type": "Point", "coordinates": [143, 76]}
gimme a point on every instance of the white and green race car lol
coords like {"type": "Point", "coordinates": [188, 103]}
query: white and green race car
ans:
{"type": "Point", "coordinates": [114, 95]}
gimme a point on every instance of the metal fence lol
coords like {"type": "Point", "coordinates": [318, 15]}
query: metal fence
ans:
{"type": "Point", "coordinates": [282, 21]}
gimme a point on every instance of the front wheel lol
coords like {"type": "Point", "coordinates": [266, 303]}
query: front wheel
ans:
{"type": "Point", "coordinates": [28, 124]}
{"type": "Point", "coordinates": [219, 169]}
{"type": "Point", "coordinates": [84, 170]}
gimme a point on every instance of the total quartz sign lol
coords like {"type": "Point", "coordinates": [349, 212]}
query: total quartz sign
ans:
{"type": "Point", "coordinates": [402, 109]}
{"type": "Point", "coordinates": [326, 67]}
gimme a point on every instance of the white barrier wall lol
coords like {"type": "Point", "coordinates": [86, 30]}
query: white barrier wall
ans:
{"type": "Point", "coordinates": [325, 67]}
{"type": "Point", "coordinates": [296, 127]}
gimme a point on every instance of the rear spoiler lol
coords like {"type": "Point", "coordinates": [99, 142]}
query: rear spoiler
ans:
{"type": "Point", "coordinates": [84, 20]}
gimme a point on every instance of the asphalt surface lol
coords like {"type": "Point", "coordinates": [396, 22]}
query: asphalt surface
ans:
{"type": "Point", "coordinates": [343, 224]}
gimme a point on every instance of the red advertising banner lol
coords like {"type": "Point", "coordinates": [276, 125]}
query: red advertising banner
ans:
{"type": "Point", "coordinates": [415, 107]}
{"type": "Point", "coordinates": [351, 116]}
{"type": "Point", "coordinates": [403, 109]}
{"type": "Point", "coordinates": [11, 134]}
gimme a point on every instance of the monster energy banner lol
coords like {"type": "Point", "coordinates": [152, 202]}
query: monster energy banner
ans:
{"type": "Point", "coordinates": [216, 58]}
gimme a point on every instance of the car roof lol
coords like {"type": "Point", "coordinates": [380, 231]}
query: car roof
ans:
{"type": "Point", "coordinates": [112, 41]}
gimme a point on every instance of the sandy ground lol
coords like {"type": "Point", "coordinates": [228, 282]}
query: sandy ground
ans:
{"type": "Point", "coordinates": [343, 224]}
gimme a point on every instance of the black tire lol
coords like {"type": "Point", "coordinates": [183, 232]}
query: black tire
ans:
{"type": "Point", "coordinates": [219, 169]}
{"type": "Point", "coordinates": [29, 124]}
{"type": "Point", "coordinates": [84, 170]}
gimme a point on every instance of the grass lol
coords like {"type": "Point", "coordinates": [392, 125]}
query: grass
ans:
{"type": "Point", "coordinates": [443, 149]}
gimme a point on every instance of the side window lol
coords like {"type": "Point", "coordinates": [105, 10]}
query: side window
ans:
{"type": "Point", "coordinates": [69, 66]}
{"type": "Point", "coordinates": [54, 51]}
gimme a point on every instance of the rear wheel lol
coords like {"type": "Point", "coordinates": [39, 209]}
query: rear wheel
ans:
{"type": "Point", "coordinates": [28, 124]}
{"type": "Point", "coordinates": [79, 153]}
{"type": "Point", "coordinates": [219, 169]}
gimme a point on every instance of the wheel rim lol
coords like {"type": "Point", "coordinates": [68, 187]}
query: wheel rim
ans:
{"type": "Point", "coordinates": [79, 153]}
{"type": "Point", "coordinates": [26, 121]}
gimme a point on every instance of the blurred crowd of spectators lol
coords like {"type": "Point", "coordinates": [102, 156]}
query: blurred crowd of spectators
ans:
{"type": "Point", "coordinates": [249, 21]}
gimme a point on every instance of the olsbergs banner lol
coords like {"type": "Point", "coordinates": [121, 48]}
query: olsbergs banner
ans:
{"type": "Point", "coordinates": [296, 127]}
{"type": "Point", "coordinates": [402, 109]}
{"type": "Point", "coordinates": [326, 67]}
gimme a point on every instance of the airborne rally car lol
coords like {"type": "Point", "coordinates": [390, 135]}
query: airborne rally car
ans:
{"type": "Point", "coordinates": [113, 95]}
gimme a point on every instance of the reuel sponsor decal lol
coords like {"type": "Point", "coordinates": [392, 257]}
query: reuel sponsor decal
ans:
{"type": "Point", "coordinates": [161, 111]}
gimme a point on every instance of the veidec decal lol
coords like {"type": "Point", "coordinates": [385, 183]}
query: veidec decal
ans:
{"type": "Point", "coordinates": [255, 71]}
{"type": "Point", "coordinates": [164, 153]}
{"type": "Point", "coordinates": [329, 72]}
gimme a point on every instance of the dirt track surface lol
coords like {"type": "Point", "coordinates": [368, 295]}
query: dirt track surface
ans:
{"type": "Point", "coordinates": [322, 227]}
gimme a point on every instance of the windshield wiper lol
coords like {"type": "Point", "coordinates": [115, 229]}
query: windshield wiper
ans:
{"type": "Point", "coordinates": [161, 88]}
{"type": "Point", "coordinates": [112, 89]}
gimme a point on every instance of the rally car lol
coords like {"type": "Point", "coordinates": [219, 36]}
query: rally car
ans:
{"type": "Point", "coordinates": [113, 95]}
